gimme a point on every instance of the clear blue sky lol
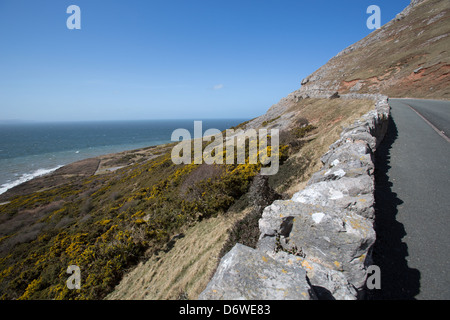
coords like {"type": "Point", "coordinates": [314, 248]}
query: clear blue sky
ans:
{"type": "Point", "coordinates": [155, 59]}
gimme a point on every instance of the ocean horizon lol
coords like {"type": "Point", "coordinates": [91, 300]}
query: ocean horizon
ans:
{"type": "Point", "coordinates": [32, 149]}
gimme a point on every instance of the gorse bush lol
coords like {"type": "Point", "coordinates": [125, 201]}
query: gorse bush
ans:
{"type": "Point", "coordinates": [265, 123]}
{"type": "Point", "coordinates": [303, 131]}
{"type": "Point", "coordinates": [107, 223]}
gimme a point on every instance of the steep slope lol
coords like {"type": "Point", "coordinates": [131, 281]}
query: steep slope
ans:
{"type": "Point", "coordinates": [110, 223]}
{"type": "Point", "coordinates": [185, 269]}
{"type": "Point", "coordinates": [408, 57]}
{"type": "Point", "coordinates": [312, 103]}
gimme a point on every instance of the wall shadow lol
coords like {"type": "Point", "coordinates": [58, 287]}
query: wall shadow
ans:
{"type": "Point", "coordinates": [398, 281]}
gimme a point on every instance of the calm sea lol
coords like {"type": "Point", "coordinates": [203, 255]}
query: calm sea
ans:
{"type": "Point", "coordinates": [33, 149]}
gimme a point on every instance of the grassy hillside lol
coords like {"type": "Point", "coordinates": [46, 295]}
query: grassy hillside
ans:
{"type": "Point", "coordinates": [141, 227]}
{"type": "Point", "coordinates": [185, 269]}
{"type": "Point", "coordinates": [108, 223]}
{"type": "Point", "coordinates": [408, 57]}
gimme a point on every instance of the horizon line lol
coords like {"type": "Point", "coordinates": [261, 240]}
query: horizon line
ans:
{"type": "Point", "coordinates": [18, 121]}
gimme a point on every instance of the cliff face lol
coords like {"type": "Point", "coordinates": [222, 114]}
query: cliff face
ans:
{"type": "Point", "coordinates": [408, 57]}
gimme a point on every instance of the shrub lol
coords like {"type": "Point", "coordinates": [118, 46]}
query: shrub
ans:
{"type": "Point", "coordinates": [105, 232]}
{"type": "Point", "coordinates": [303, 131]}
{"type": "Point", "coordinates": [265, 123]}
{"type": "Point", "coordinates": [244, 231]}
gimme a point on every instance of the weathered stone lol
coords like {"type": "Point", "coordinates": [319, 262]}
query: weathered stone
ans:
{"type": "Point", "coordinates": [324, 234]}
{"type": "Point", "coordinates": [279, 212]}
{"type": "Point", "coordinates": [360, 135]}
{"type": "Point", "coordinates": [328, 284]}
{"type": "Point", "coordinates": [335, 240]}
{"type": "Point", "coordinates": [340, 170]}
{"type": "Point", "coordinates": [354, 153]}
{"type": "Point", "coordinates": [344, 193]}
{"type": "Point", "coordinates": [248, 274]}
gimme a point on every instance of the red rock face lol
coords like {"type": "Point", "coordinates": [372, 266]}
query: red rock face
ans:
{"type": "Point", "coordinates": [408, 57]}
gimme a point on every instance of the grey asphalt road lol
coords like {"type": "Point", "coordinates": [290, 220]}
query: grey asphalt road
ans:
{"type": "Point", "coordinates": [435, 111]}
{"type": "Point", "coordinates": [415, 205]}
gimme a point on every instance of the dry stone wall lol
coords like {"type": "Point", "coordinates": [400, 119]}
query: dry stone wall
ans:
{"type": "Point", "coordinates": [316, 245]}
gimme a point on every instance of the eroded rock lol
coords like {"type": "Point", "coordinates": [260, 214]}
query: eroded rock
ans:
{"type": "Point", "coordinates": [248, 274]}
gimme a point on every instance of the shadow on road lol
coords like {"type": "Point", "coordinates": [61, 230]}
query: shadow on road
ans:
{"type": "Point", "coordinates": [398, 281]}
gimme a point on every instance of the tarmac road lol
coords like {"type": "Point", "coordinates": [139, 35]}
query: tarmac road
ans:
{"type": "Point", "coordinates": [413, 202]}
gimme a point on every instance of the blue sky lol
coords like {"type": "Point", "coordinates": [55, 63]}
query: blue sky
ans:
{"type": "Point", "coordinates": [164, 59]}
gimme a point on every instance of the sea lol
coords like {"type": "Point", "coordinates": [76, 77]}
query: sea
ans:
{"type": "Point", "coordinates": [29, 150]}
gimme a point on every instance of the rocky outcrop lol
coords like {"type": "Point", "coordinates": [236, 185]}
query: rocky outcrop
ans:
{"type": "Point", "coordinates": [405, 58]}
{"type": "Point", "coordinates": [317, 244]}
{"type": "Point", "coordinates": [402, 59]}
{"type": "Point", "coordinates": [408, 9]}
{"type": "Point", "coordinates": [248, 274]}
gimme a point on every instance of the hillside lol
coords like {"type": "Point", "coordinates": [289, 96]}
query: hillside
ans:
{"type": "Point", "coordinates": [141, 227]}
{"type": "Point", "coordinates": [185, 269]}
{"type": "Point", "coordinates": [425, 59]}
{"type": "Point", "coordinates": [106, 223]}
{"type": "Point", "coordinates": [407, 57]}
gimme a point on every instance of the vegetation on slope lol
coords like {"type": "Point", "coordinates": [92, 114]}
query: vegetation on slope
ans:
{"type": "Point", "coordinates": [184, 269]}
{"type": "Point", "coordinates": [105, 224]}
{"type": "Point", "coordinates": [408, 57]}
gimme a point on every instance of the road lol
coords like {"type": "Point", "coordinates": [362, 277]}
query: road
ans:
{"type": "Point", "coordinates": [413, 202]}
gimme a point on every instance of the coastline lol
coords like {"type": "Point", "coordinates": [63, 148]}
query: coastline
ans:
{"type": "Point", "coordinates": [80, 169]}
{"type": "Point", "coordinates": [53, 165]}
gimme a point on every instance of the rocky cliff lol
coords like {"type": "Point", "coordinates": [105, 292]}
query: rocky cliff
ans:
{"type": "Point", "coordinates": [407, 57]}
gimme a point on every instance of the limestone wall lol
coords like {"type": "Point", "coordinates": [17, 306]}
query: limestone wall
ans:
{"type": "Point", "coordinates": [316, 245]}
